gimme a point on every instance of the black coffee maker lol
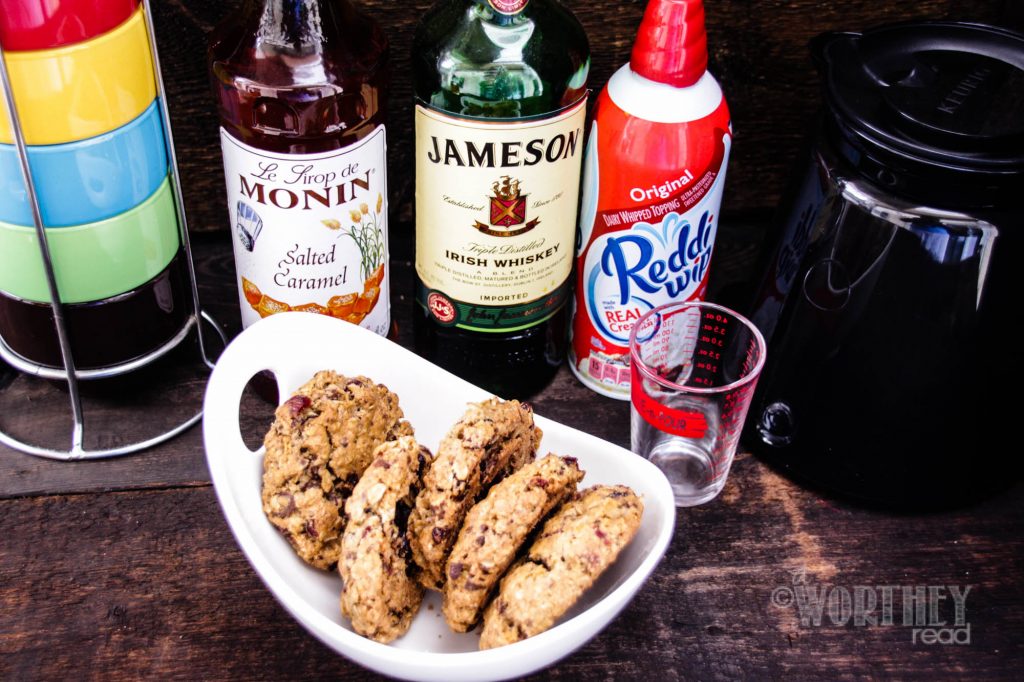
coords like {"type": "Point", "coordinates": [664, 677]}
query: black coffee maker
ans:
{"type": "Point", "coordinates": [891, 301]}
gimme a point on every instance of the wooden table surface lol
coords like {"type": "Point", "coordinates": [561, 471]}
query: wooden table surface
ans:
{"type": "Point", "coordinates": [126, 569]}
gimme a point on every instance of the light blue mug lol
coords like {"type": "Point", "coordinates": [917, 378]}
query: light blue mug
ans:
{"type": "Point", "coordinates": [89, 180]}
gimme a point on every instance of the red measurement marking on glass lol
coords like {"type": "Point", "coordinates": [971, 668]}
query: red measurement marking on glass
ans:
{"type": "Point", "coordinates": [669, 420]}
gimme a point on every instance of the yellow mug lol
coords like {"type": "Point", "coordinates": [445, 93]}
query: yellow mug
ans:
{"type": "Point", "coordinates": [79, 91]}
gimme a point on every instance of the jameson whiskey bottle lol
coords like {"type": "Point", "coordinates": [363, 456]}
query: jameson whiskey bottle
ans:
{"type": "Point", "coordinates": [301, 88]}
{"type": "Point", "coordinates": [500, 109]}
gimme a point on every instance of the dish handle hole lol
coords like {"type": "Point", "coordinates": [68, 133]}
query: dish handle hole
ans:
{"type": "Point", "coordinates": [256, 409]}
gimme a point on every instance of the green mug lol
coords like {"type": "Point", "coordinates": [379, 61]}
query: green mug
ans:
{"type": "Point", "coordinates": [93, 261]}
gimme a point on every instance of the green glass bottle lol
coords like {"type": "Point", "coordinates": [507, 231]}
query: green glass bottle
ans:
{"type": "Point", "coordinates": [500, 109]}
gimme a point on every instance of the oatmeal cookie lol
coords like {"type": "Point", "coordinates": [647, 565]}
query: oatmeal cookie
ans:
{"type": "Point", "coordinates": [575, 546]}
{"type": "Point", "coordinates": [381, 593]}
{"type": "Point", "coordinates": [322, 439]}
{"type": "Point", "coordinates": [493, 438]}
{"type": "Point", "coordinates": [496, 528]}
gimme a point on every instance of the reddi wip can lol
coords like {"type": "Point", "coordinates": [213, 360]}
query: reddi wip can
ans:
{"type": "Point", "coordinates": [654, 172]}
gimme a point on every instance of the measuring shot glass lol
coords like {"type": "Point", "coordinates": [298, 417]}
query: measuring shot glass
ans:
{"type": "Point", "coordinates": [694, 370]}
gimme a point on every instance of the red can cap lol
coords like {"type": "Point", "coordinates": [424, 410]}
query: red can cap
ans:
{"type": "Point", "coordinates": [672, 45]}
{"type": "Point", "coordinates": [44, 24]}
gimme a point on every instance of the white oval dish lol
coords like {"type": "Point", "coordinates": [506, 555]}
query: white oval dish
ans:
{"type": "Point", "coordinates": [296, 345]}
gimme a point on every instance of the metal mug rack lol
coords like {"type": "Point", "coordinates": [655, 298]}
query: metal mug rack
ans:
{"type": "Point", "coordinates": [69, 373]}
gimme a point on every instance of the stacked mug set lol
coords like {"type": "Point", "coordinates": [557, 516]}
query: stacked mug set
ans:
{"type": "Point", "coordinates": [85, 89]}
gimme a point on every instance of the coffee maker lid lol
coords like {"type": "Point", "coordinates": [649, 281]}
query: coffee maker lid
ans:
{"type": "Point", "coordinates": [931, 110]}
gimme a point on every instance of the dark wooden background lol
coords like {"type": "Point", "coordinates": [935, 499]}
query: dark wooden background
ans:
{"type": "Point", "coordinates": [126, 570]}
{"type": "Point", "coordinates": [758, 51]}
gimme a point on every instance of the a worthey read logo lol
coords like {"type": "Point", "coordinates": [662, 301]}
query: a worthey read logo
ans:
{"type": "Point", "coordinates": [932, 614]}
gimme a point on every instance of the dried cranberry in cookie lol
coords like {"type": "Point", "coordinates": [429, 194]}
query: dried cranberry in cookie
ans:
{"type": "Point", "coordinates": [381, 591]}
{"type": "Point", "coordinates": [322, 439]}
{"type": "Point", "coordinates": [493, 439]}
{"type": "Point", "coordinates": [494, 530]}
{"type": "Point", "coordinates": [576, 545]}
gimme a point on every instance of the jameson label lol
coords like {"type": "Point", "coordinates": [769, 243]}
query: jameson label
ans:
{"type": "Point", "coordinates": [495, 217]}
{"type": "Point", "coordinates": [310, 230]}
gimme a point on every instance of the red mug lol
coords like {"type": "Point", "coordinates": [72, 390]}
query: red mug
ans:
{"type": "Point", "coordinates": [45, 24]}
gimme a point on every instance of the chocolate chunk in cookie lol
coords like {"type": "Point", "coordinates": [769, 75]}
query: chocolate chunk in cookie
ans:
{"type": "Point", "coordinates": [493, 439]}
{"type": "Point", "coordinates": [322, 439]}
{"type": "Point", "coordinates": [494, 530]}
{"type": "Point", "coordinates": [575, 546]}
{"type": "Point", "coordinates": [381, 591]}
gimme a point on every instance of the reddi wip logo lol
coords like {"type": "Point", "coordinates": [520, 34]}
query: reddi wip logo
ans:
{"type": "Point", "coordinates": [629, 273]}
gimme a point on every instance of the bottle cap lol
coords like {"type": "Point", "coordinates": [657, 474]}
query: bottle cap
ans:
{"type": "Point", "coordinates": [672, 45]}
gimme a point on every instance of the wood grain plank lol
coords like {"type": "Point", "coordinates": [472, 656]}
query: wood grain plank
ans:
{"type": "Point", "coordinates": [150, 585]}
